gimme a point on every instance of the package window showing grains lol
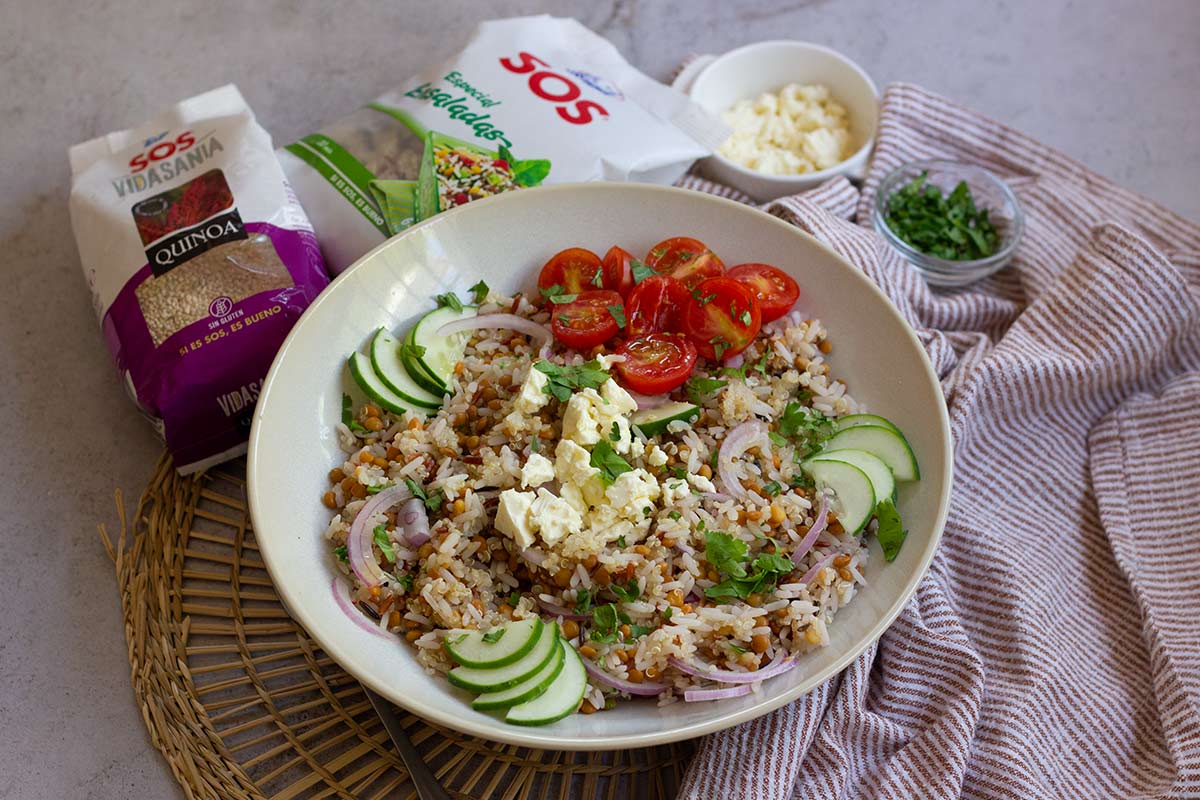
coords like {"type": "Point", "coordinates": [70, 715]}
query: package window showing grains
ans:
{"type": "Point", "coordinates": [199, 258]}
{"type": "Point", "coordinates": [545, 89]}
{"type": "Point", "coordinates": [223, 269]}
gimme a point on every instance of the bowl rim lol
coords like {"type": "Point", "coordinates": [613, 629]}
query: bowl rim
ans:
{"type": "Point", "coordinates": [529, 737]}
{"type": "Point", "coordinates": [839, 168]}
{"type": "Point", "coordinates": [942, 266]}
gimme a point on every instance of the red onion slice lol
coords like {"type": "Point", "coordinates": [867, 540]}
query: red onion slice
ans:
{"type": "Point", "coordinates": [359, 550]}
{"type": "Point", "coordinates": [341, 593]}
{"type": "Point", "coordinates": [810, 538]}
{"type": "Point", "coordinates": [508, 322]}
{"type": "Point", "coordinates": [560, 611]}
{"type": "Point", "coordinates": [777, 667]}
{"type": "Point", "coordinates": [414, 522]}
{"type": "Point", "coordinates": [646, 402]}
{"type": "Point", "coordinates": [698, 695]}
{"type": "Point", "coordinates": [533, 556]}
{"type": "Point", "coordinates": [809, 576]}
{"type": "Point", "coordinates": [737, 442]}
{"type": "Point", "coordinates": [643, 689]}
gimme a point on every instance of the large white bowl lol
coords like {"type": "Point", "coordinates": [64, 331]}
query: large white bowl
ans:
{"type": "Point", "coordinates": [505, 240]}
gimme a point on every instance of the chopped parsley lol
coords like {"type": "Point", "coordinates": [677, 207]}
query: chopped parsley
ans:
{"type": "Point", "coordinates": [679, 472]}
{"type": "Point", "coordinates": [761, 366]}
{"type": "Point", "coordinates": [406, 582]}
{"type": "Point", "coordinates": [745, 318]}
{"type": "Point", "coordinates": [891, 533]}
{"type": "Point", "coordinates": [701, 389]}
{"type": "Point", "coordinates": [640, 271]}
{"type": "Point", "coordinates": [341, 553]}
{"type": "Point", "coordinates": [720, 345]}
{"type": "Point", "coordinates": [565, 380]}
{"type": "Point", "coordinates": [479, 292]}
{"type": "Point", "coordinates": [621, 541]}
{"type": "Point", "coordinates": [776, 439]}
{"type": "Point", "coordinates": [583, 601]}
{"type": "Point", "coordinates": [615, 433]}
{"type": "Point", "coordinates": [379, 488]}
{"type": "Point", "coordinates": [726, 554]}
{"type": "Point", "coordinates": [773, 489]}
{"type": "Point", "coordinates": [611, 465]}
{"type": "Point", "coordinates": [807, 427]}
{"type": "Point", "coordinates": [558, 294]}
{"type": "Point", "coordinates": [449, 300]}
{"type": "Point", "coordinates": [943, 226]}
{"type": "Point", "coordinates": [491, 637]}
{"type": "Point", "coordinates": [735, 648]}
{"type": "Point", "coordinates": [629, 592]}
{"type": "Point", "coordinates": [433, 502]}
{"type": "Point", "coordinates": [533, 445]}
{"type": "Point", "coordinates": [514, 598]}
{"type": "Point", "coordinates": [347, 410]}
{"type": "Point", "coordinates": [667, 613]}
{"type": "Point", "coordinates": [385, 545]}
{"type": "Point", "coordinates": [618, 314]}
{"type": "Point", "coordinates": [702, 299]}
{"type": "Point", "coordinates": [638, 631]}
{"type": "Point", "coordinates": [598, 278]}
{"type": "Point", "coordinates": [675, 515]}
{"type": "Point", "coordinates": [605, 623]}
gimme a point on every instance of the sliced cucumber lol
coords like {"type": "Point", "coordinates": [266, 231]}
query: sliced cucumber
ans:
{"type": "Point", "coordinates": [855, 494]}
{"type": "Point", "coordinates": [561, 699]}
{"type": "Point", "coordinates": [858, 420]}
{"type": "Point", "coordinates": [527, 689]}
{"type": "Point", "coordinates": [653, 421]}
{"type": "Point", "coordinates": [475, 650]}
{"type": "Point", "coordinates": [441, 352]}
{"type": "Point", "coordinates": [417, 371]}
{"type": "Point", "coordinates": [376, 389]}
{"type": "Point", "coordinates": [493, 680]}
{"type": "Point", "coordinates": [878, 472]}
{"type": "Point", "coordinates": [385, 358]}
{"type": "Point", "coordinates": [887, 443]}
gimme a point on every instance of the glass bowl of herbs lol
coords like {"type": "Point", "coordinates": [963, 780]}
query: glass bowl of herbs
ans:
{"type": "Point", "coordinates": [954, 222]}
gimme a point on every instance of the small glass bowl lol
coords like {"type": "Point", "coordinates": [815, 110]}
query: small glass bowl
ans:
{"type": "Point", "coordinates": [1004, 212]}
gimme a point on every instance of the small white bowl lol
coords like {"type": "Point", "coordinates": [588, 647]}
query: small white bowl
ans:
{"type": "Point", "coordinates": [747, 72]}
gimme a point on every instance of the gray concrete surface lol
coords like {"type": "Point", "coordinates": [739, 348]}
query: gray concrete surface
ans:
{"type": "Point", "coordinates": [1111, 82]}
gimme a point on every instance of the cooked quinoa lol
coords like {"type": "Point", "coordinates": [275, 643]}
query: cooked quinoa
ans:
{"type": "Point", "coordinates": [651, 561]}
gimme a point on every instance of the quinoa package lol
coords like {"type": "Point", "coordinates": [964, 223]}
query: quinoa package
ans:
{"type": "Point", "coordinates": [199, 259]}
{"type": "Point", "coordinates": [528, 99]}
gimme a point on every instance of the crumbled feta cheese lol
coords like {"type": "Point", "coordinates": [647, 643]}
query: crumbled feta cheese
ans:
{"type": "Point", "coordinates": [554, 517]}
{"type": "Point", "coordinates": [655, 456]}
{"type": "Point", "coordinates": [581, 420]}
{"type": "Point", "coordinates": [621, 401]}
{"type": "Point", "coordinates": [674, 490]}
{"type": "Point", "coordinates": [632, 492]}
{"type": "Point", "coordinates": [606, 361]}
{"type": "Point", "coordinates": [700, 482]}
{"type": "Point", "coordinates": [591, 416]}
{"type": "Point", "coordinates": [637, 448]}
{"type": "Point", "coordinates": [796, 130]}
{"type": "Point", "coordinates": [537, 470]}
{"type": "Point", "coordinates": [512, 517]}
{"type": "Point", "coordinates": [531, 398]}
{"type": "Point", "coordinates": [573, 467]}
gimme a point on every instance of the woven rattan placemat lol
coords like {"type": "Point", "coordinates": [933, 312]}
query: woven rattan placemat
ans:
{"type": "Point", "coordinates": [243, 704]}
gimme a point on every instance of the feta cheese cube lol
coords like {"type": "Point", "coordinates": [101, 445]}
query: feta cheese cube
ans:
{"type": "Point", "coordinates": [554, 517]}
{"type": "Point", "coordinates": [537, 470]}
{"type": "Point", "coordinates": [700, 482]}
{"type": "Point", "coordinates": [573, 467]}
{"type": "Point", "coordinates": [674, 490]}
{"type": "Point", "coordinates": [532, 398]}
{"type": "Point", "coordinates": [620, 400]}
{"type": "Point", "coordinates": [632, 492]}
{"type": "Point", "coordinates": [513, 519]}
{"type": "Point", "coordinates": [581, 419]}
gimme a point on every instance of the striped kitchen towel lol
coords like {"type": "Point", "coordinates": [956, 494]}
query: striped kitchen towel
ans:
{"type": "Point", "coordinates": [1053, 651]}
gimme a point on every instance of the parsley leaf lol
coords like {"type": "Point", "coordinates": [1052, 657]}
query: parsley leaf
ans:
{"type": "Point", "coordinates": [565, 380]}
{"type": "Point", "coordinates": [378, 488]}
{"type": "Point", "coordinates": [891, 533]}
{"type": "Point", "coordinates": [667, 613]}
{"type": "Point", "coordinates": [433, 502]}
{"type": "Point", "coordinates": [618, 313]}
{"type": "Point", "coordinates": [493, 636]}
{"type": "Point", "coordinates": [761, 366]}
{"type": "Point", "coordinates": [605, 459]}
{"type": "Point", "coordinates": [598, 278]}
{"type": "Point", "coordinates": [776, 439]}
{"type": "Point", "coordinates": [479, 292]}
{"type": "Point", "coordinates": [773, 489]}
{"type": "Point", "coordinates": [675, 515]}
{"type": "Point", "coordinates": [746, 318]}
{"type": "Point", "coordinates": [385, 545]}
{"type": "Point", "coordinates": [449, 300]}
{"type": "Point", "coordinates": [629, 593]}
{"type": "Point", "coordinates": [406, 581]}
{"type": "Point", "coordinates": [640, 271]}
{"type": "Point", "coordinates": [702, 299]}
{"type": "Point", "coordinates": [621, 541]}
{"type": "Point", "coordinates": [807, 427]}
{"type": "Point", "coordinates": [638, 631]}
{"type": "Point", "coordinates": [720, 345]}
{"type": "Point", "coordinates": [583, 601]}
{"type": "Point", "coordinates": [700, 389]}
{"type": "Point", "coordinates": [725, 553]}
{"type": "Point", "coordinates": [558, 294]}
{"type": "Point", "coordinates": [342, 554]}
{"type": "Point", "coordinates": [605, 623]}
{"type": "Point", "coordinates": [514, 598]}
{"type": "Point", "coordinates": [615, 433]}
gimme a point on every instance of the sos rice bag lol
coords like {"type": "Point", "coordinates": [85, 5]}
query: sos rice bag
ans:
{"type": "Point", "coordinates": [533, 98]}
{"type": "Point", "coordinates": [199, 259]}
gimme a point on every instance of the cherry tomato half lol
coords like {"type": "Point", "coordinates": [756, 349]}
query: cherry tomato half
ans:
{"type": "Point", "coordinates": [721, 317]}
{"type": "Point", "coordinates": [687, 260]}
{"type": "Point", "coordinates": [654, 304]}
{"type": "Point", "coordinates": [574, 269]}
{"type": "Point", "coordinates": [586, 321]}
{"type": "Point", "coordinates": [618, 267]}
{"type": "Point", "coordinates": [656, 363]}
{"type": "Point", "coordinates": [773, 288]}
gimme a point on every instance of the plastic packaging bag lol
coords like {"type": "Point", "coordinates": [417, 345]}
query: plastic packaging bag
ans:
{"type": "Point", "coordinates": [199, 259]}
{"type": "Point", "coordinates": [544, 89]}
